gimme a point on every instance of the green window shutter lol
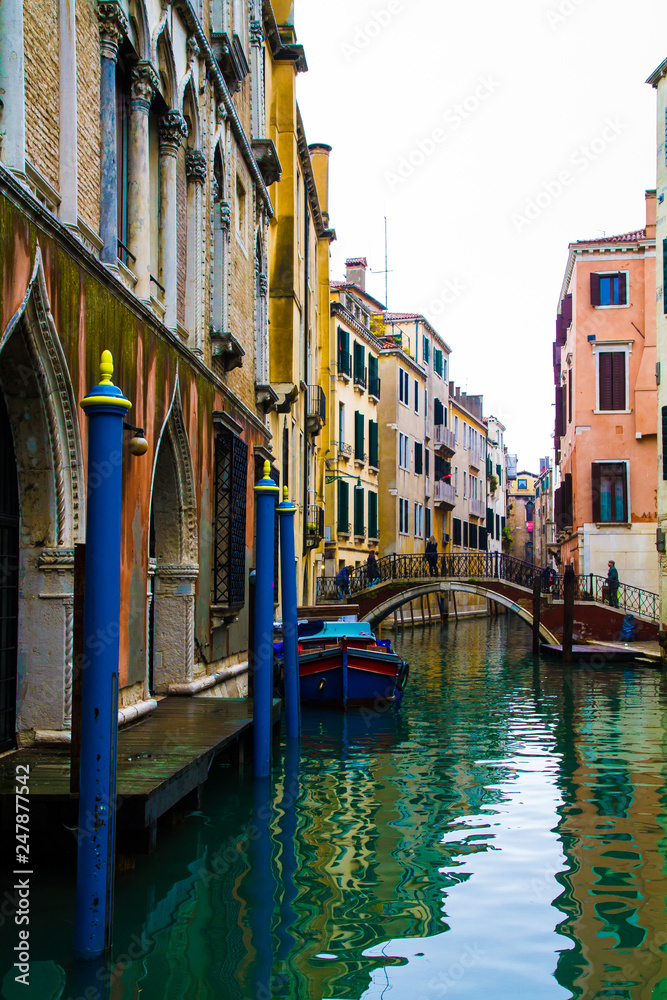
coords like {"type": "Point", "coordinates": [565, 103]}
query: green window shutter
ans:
{"type": "Point", "coordinates": [372, 515]}
{"type": "Point", "coordinates": [373, 457]}
{"type": "Point", "coordinates": [343, 505]}
{"type": "Point", "coordinates": [358, 434]}
{"type": "Point", "coordinates": [372, 367]}
{"type": "Point", "coordinates": [359, 512]}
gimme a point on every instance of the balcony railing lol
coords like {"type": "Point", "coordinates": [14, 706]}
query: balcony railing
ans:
{"type": "Point", "coordinates": [443, 492]}
{"type": "Point", "coordinates": [478, 508]}
{"type": "Point", "coordinates": [317, 409]}
{"type": "Point", "coordinates": [344, 363]}
{"type": "Point", "coordinates": [361, 377]}
{"type": "Point", "coordinates": [344, 450]}
{"type": "Point", "coordinates": [374, 387]}
{"type": "Point", "coordinates": [314, 524]}
{"type": "Point", "coordinates": [444, 438]}
{"type": "Point", "coordinates": [474, 458]}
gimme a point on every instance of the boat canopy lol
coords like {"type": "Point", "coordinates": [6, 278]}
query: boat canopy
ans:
{"type": "Point", "coordinates": [336, 630]}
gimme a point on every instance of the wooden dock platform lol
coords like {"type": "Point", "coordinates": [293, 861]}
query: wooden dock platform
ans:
{"type": "Point", "coordinates": [163, 760]}
{"type": "Point", "coordinates": [600, 654]}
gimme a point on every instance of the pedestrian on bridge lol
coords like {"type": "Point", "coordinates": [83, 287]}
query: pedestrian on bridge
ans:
{"type": "Point", "coordinates": [431, 552]}
{"type": "Point", "coordinates": [372, 570]}
{"type": "Point", "coordinates": [613, 584]}
{"type": "Point", "coordinates": [343, 581]}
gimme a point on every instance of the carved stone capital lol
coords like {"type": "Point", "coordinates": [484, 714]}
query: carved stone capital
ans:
{"type": "Point", "coordinates": [173, 130]}
{"type": "Point", "coordinates": [256, 33]}
{"type": "Point", "coordinates": [195, 165]}
{"type": "Point", "coordinates": [263, 283]}
{"type": "Point", "coordinates": [144, 84]}
{"type": "Point", "coordinates": [192, 49]}
{"type": "Point", "coordinates": [113, 24]}
{"type": "Point", "coordinates": [225, 214]}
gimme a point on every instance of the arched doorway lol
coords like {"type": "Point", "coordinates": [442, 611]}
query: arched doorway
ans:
{"type": "Point", "coordinates": [9, 591]}
{"type": "Point", "coordinates": [172, 561]}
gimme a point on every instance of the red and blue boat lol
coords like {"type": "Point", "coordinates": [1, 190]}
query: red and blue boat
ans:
{"type": "Point", "coordinates": [342, 664]}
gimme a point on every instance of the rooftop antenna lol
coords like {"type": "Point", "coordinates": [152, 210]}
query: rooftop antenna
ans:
{"type": "Point", "coordinates": [386, 271]}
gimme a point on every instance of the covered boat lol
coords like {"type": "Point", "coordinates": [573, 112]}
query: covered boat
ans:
{"type": "Point", "coordinates": [342, 663]}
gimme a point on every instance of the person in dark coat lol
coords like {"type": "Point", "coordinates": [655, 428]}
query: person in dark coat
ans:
{"type": "Point", "coordinates": [613, 584]}
{"type": "Point", "coordinates": [372, 569]}
{"type": "Point", "coordinates": [343, 581]}
{"type": "Point", "coordinates": [432, 556]}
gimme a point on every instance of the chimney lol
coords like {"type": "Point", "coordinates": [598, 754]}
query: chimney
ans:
{"type": "Point", "coordinates": [650, 215]}
{"type": "Point", "coordinates": [319, 155]}
{"type": "Point", "coordinates": [355, 271]}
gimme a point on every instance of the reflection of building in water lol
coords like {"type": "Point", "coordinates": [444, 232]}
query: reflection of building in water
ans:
{"type": "Point", "coordinates": [614, 891]}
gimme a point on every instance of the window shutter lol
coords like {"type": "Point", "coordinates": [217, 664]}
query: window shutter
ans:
{"type": "Point", "coordinates": [343, 505]}
{"type": "Point", "coordinates": [358, 434]}
{"type": "Point", "coordinates": [438, 411]}
{"type": "Point", "coordinates": [567, 311]}
{"type": "Point", "coordinates": [605, 380]}
{"type": "Point", "coordinates": [358, 512]}
{"type": "Point", "coordinates": [595, 289]}
{"type": "Point", "coordinates": [372, 515]}
{"type": "Point", "coordinates": [465, 534]}
{"type": "Point", "coordinates": [664, 442]}
{"type": "Point", "coordinates": [618, 380]}
{"type": "Point", "coordinates": [373, 443]}
{"type": "Point", "coordinates": [623, 289]}
{"type": "Point", "coordinates": [372, 367]}
{"type": "Point", "coordinates": [419, 465]}
{"type": "Point", "coordinates": [595, 487]}
{"type": "Point", "coordinates": [489, 521]}
{"type": "Point", "coordinates": [456, 527]}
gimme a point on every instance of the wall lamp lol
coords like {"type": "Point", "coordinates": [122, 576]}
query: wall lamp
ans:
{"type": "Point", "coordinates": [344, 475]}
{"type": "Point", "coordinates": [138, 444]}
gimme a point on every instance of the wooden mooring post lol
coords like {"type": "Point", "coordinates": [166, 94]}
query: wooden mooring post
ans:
{"type": "Point", "coordinates": [569, 585]}
{"type": "Point", "coordinates": [537, 608]}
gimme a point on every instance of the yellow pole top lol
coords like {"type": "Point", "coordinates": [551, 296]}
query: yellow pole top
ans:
{"type": "Point", "coordinates": [285, 494]}
{"type": "Point", "coordinates": [106, 367]}
{"type": "Point", "coordinates": [267, 469]}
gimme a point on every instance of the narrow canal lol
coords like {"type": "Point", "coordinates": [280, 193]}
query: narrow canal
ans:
{"type": "Point", "coordinates": [502, 837]}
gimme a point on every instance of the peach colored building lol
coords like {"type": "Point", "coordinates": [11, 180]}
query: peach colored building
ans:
{"type": "Point", "coordinates": [606, 416]}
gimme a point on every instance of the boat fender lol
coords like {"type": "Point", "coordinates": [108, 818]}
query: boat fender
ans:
{"type": "Point", "coordinates": [323, 683]}
{"type": "Point", "coordinates": [403, 674]}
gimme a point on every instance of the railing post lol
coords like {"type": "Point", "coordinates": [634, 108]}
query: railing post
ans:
{"type": "Point", "coordinates": [265, 505]}
{"type": "Point", "coordinates": [569, 584]}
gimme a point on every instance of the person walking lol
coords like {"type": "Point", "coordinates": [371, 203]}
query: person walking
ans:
{"type": "Point", "coordinates": [432, 555]}
{"type": "Point", "coordinates": [613, 583]}
{"type": "Point", "coordinates": [372, 570]}
{"type": "Point", "coordinates": [343, 581]}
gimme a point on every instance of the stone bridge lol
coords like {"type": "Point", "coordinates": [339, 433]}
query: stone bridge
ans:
{"type": "Point", "coordinates": [501, 578]}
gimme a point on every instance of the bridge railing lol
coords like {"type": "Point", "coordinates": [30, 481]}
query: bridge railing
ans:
{"type": "Point", "coordinates": [480, 566]}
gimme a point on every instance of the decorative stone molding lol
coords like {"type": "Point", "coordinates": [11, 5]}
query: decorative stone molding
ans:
{"type": "Point", "coordinates": [145, 82]}
{"type": "Point", "coordinates": [263, 285]}
{"type": "Point", "coordinates": [256, 33]}
{"type": "Point", "coordinates": [223, 114]}
{"type": "Point", "coordinates": [173, 130]}
{"type": "Point", "coordinates": [56, 560]}
{"type": "Point", "coordinates": [195, 165]}
{"type": "Point", "coordinates": [113, 25]}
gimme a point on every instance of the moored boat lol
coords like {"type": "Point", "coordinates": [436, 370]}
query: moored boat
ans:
{"type": "Point", "coordinates": [342, 663]}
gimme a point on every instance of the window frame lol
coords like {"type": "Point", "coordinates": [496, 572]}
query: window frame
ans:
{"type": "Point", "coordinates": [612, 347]}
{"type": "Point", "coordinates": [595, 282]}
{"type": "Point", "coordinates": [596, 471]}
{"type": "Point", "coordinates": [404, 381]}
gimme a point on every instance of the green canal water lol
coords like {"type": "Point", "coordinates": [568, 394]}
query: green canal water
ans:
{"type": "Point", "coordinates": [502, 837]}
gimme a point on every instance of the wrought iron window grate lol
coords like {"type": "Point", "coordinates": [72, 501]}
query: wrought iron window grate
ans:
{"type": "Point", "coordinates": [229, 527]}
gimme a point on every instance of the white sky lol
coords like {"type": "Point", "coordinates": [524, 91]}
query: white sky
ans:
{"type": "Point", "coordinates": [538, 89]}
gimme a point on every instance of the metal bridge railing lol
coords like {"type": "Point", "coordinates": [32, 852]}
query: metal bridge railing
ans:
{"type": "Point", "coordinates": [490, 566]}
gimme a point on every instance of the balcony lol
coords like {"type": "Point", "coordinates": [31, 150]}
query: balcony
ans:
{"type": "Point", "coordinates": [443, 493]}
{"type": "Point", "coordinates": [317, 409]}
{"type": "Point", "coordinates": [345, 364]}
{"type": "Point", "coordinates": [474, 458]}
{"type": "Point", "coordinates": [374, 388]}
{"type": "Point", "coordinates": [477, 508]}
{"type": "Point", "coordinates": [444, 439]}
{"type": "Point", "coordinates": [344, 450]}
{"type": "Point", "coordinates": [360, 457]}
{"type": "Point", "coordinates": [314, 525]}
{"type": "Point", "coordinates": [360, 378]}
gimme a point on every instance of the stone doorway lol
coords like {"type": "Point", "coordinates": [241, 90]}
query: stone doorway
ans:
{"type": "Point", "coordinates": [9, 581]}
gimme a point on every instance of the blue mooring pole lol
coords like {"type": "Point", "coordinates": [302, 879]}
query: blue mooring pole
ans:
{"type": "Point", "coordinates": [105, 406]}
{"type": "Point", "coordinates": [265, 505]}
{"type": "Point", "coordinates": [286, 512]}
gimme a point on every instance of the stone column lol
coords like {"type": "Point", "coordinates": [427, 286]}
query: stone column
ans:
{"type": "Point", "coordinates": [258, 124]}
{"type": "Point", "coordinates": [68, 141]}
{"type": "Point", "coordinates": [144, 84]}
{"type": "Point", "coordinates": [173, 130]}
{"type": "Point", "coordinates": [113, 25]}
{"type": "Point", "coordinates": [12, 86]}
{"type": "Point", "coordinates": [195, 171]}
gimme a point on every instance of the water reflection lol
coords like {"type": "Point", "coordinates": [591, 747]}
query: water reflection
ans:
{"type": "Point", "coordinates": [503, 836]}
